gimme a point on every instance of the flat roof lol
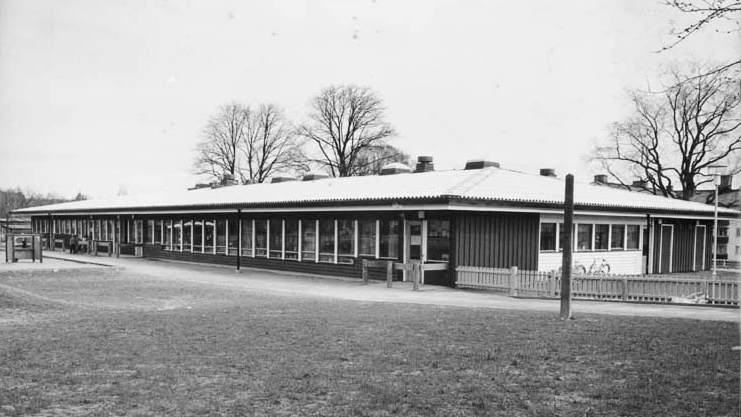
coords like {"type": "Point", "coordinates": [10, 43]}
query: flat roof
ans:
{"type": "Point", "coordinates": [489, 184]}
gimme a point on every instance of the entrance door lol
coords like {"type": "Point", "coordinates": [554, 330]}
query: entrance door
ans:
{"type": "Point", "coordinates": [415, 241]}
{"type": "Point", "coordinates": [699, 248]}
{"type": "Point", "coordinates": [665, 263]}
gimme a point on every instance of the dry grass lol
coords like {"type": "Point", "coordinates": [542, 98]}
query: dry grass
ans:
{"type": "Point", "coordinates": [115, 344]}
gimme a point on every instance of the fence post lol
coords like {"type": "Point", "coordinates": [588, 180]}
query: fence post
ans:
{"type": "Point", "coordinates": [624, 295]}
{"type": "Point", "coordinates": [552, 283]}
{"type": "Point", "coordinates": [416, 271]}
{"type": "Point", "coordinates": [513, 281]}
{"type": "Point", "coordinates": [389, 274]}
{"type": "Point", "coordinates": [365, 271]}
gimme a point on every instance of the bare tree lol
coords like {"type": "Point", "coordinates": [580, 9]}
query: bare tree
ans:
{"type": "Point", "coordinates": [707, 13]}
{"type": "Point", "coordinates": [373, 158]}
{"type": "Point", "coordinates": [270, 145]}
{"type": "Point", "coordinates": [217, 152]}
{"type": "Point", "coordinates": [674, 136]}
{"type": "Point", "coordinates": [344, 121]}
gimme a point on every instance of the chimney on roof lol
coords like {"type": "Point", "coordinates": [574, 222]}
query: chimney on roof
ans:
{"type": "Point", "coordinates": [227, 180]}
{"type": "Point", "coordinates": [600, 179]}
{"type": "Point", "coordinates": [314, 175]}
{"type": "Point", "coordinates": [548, 172]}
{"type": "Point", "coordinates": [640, 183]}
{"type": "Point", "coordinates": [395, 168]}
{"type": "Point", "coordinates": [726, 183]}
{"type": "Point", "coordinates": [281, 178]}
{"type": "Point", "coordinates": [424, 164]}
{"type": "Point", "coordinates": [480, 163]}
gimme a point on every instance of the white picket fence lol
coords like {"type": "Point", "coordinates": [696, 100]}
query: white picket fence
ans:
{"type": "Point", "coordinates": [644, 288]}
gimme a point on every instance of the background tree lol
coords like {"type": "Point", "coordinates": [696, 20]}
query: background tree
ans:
{"type": "Point", "coordinates": [216, 154]}
{"type": "Point", "coordinates": [675, 135]}
{"type": "Point", "coordinates": [270, 145]}
{"type": "Point", "coordinates": [14, 199]}
{"type": "Point", "coordinates": [344, 122]}
{"type": "Point", "coordinates": [373, 158]}
{"type": "Point", "coordinates": [708, 13]}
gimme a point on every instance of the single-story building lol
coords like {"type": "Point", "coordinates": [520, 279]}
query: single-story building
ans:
{"type": "Point", "coordinates": [482, 216]}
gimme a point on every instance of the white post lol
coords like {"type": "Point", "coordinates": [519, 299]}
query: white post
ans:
{"type": "Point", "coordinates": [300, 240]}
{"type": "Point", "coordinates": [715, 233]}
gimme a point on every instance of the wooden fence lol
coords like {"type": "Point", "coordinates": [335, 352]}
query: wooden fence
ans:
{"type": "Point", "coordinates": [645, 288]}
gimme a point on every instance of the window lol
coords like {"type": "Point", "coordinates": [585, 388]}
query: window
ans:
{"type": "Point", "coordinates": [722, 231]}
{"type": "Point", "coordinates": [291, 239]}
{"type": "Point", "coordinates": [246, 237]}
{"type": "Point", "coordinates": [438, 240]}
{"type": "Point", "coordinates": [158, 232]}
{"type": "Point", "coordinates": [367, 234]}
{"type": "Point", "coordinates": [187, 235]}
{"type": "Point", "coordinates": [722, 249]}
{"type": "Point", "coordinates": [209, 232]}
{"type": "Point", "coordinates": [233, 239]}
{"type": "Point", "coordinates": [221, 237]}
{"type": "Point", "coordinates": [738, 249]}
{"type": "Point", "coordinates": [584, 237]}
{"type": "Point", "coordinates": [738, 232]}
{"type": "Point", "coordinates": [261, 238]}
{"type": "Point", "coordinates": [326, 241]}
{"type": "Point", "coordinates": [634, 236]}
{"type": "Point", "coordinates": [345, 241]}
{"type": "Point", "coordinates": [150, 231]}
{"type": "Point", "coordinates": [276, 238]}
{"type": "Point", "coordinates": [389, 245]}
{"type": "Point", "coordinates": [168, 235]}
{"type": "Point", "coordinates": [138, 232]}
{"type": "Point", "coordinates": [177, 235]}
{"type": "Point", "coordinates": [308, 240]}
{"type": "Point", "coordinates": [601, 236]}
{"type": "Point", "coordinates": [618, 237]}
{"type": "Point", "coordinates": [547, 236]}
{"type": "Point", "coordinates": [198, 236]}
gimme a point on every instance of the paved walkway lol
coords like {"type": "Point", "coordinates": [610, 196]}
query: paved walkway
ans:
{"type": "Point", "coordinates": [352, 289]}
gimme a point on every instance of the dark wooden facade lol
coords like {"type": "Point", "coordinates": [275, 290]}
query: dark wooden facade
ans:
{"type": "Point", "coordinates": [496, 240]}
{"type": "Point", "coordinates": [681, 238]}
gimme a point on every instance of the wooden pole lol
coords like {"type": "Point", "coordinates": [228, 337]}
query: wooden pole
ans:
{"type": "Point", "coordinates": [365, 271]}
{"type": "Point", "coordinates": [239, 238]}
{"type": "Point", "coordinates": [568, 226]}
{"type": "Point", "coordinates": [389, 274]}
{"type": "Point", "coordinates": [415, 276]}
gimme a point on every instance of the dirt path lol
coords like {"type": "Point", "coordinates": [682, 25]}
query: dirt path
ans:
{"type": "Point", "coordinates": [287, 284]}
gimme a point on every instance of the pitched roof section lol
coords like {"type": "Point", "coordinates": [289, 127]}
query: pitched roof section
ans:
{"type": "Point", "coordinates": [492, 184]}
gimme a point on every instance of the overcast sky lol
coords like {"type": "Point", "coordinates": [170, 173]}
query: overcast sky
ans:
{"type": "Point", "coordinates": [99, 95]}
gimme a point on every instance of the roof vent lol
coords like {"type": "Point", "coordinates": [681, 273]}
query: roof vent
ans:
{"type": "Point", "coordinates": [281, 178]}
{"type": "Point", "coordinates": [424, 164]}
{"type": "Point", "coordinates": [600, 179]}
{"type": "Point", "coordinates": [314, 175]}
{"type": "Point", "coordinates": [395, 168]}
{"type": "Point", "coordinates": [641, 183]}
{"type": "Point", "coordinates": [480, 163]}
{"type": "Point", "coordinates": [548, 172]}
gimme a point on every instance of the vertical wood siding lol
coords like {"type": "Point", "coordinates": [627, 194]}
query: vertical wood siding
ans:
{"type": "Point", "coordinates": [684, 244]}
{"type": "Point", "coordinates": [496, 240]}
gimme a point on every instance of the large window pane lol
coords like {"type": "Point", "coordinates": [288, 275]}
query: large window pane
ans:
{"type": "Point", "coordinates": [221, 237]}
{"type": "Point", "coordinates": [367, 234]}
{"type": "Point", "coordinates": [548, 236]}
{"type": "Point", "coordinates": [233, 237]}
{"type": "Point", "coordinates": [346, 240]}
{"type": "Point", "coordinates": [601, 236]}
{"type": "Point", "coordinates": [438, 240]}
{"type": "Point", "coordinates": [187, 234]}
{"type": "Point", "coordinates": [168, 234]}
{"type": "Point", "coordinates": [246, 237]}
{"type": "Point", "coordinates": [308, 240]}
{"type": "Point", "coordinates": [198, 236]}
{"type": "Point", "coordinates": [209, 232]}
{"type": "Point", "coordinates": [326, 241]}
{"type": "Point", "coordinates": [291, 239]}
{"type": "Point", "coordinates": [158, 232]}
{"type": "Point", "coordinates": [389, 245]}
{"type": "Point", "coordinates": [261, 238]}
{"type": "Point", "coordinates": [584, 237]}
{"type": "Point", "coordinates": [150, 231]}
{"type": "Point", "coordinates": [177, 234]}
{"type": "Point", "coordinates": [276, 238]}
{"type": "Point", "coordinates": [634, 236]}
{"type": "Point", "coordinates": [618, 236]}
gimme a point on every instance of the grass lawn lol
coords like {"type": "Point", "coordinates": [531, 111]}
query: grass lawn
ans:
{"type": "Point", "coordinates": [103, 342]}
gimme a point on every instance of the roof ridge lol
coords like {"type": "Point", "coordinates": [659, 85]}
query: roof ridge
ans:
{"type": "Point", "coordinates": [469, 182]}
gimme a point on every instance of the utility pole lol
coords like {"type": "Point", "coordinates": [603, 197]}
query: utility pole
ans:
{"type": "Point", "coordinates": [568, 247]}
